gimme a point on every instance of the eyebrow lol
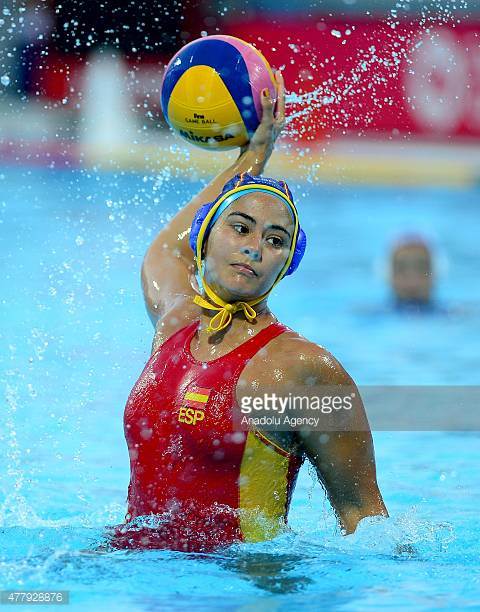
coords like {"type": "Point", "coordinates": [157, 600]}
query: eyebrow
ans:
{"type": "Point", "coordinates": [252, 220]}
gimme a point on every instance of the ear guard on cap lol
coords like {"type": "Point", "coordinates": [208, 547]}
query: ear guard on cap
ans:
{"type": "Point", "coordinates": [299, 252]}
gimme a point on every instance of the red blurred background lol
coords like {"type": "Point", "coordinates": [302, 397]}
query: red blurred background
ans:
{"type": "Point", "coordinates": [389, 75]}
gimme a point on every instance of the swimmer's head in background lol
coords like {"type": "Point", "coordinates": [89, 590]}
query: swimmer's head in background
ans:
{"type": "Point", "coordinates": [203, 221]}
{"type": "Point", "coordinates": [411, 269]}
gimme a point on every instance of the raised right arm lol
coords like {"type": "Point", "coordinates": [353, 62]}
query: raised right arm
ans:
{"type": "Point", "coordinates": [169, 262]}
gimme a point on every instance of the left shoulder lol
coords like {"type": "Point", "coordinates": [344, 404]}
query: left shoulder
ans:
{"type": "Point", "coordinates": [306, 358]}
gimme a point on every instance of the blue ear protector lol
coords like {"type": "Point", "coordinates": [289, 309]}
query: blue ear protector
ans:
{"type": "Point", "coordinates": [198, 219]}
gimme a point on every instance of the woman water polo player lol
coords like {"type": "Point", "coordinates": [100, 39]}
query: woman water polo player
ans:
{"type": "Point", "coordinates": [197, 481]}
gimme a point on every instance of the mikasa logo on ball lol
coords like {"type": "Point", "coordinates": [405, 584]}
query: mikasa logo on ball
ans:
{"type": "Point", "coordinates": [196, 138]}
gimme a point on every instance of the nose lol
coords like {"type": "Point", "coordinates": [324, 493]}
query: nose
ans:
{"type": "Point", "coordinates": [251, 252]}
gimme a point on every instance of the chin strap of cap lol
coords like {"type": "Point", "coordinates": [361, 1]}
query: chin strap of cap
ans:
{"type": "Point", "coordinates": [225, 313]}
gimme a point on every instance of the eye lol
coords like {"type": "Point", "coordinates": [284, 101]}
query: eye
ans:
{"type": "Point", "coordinates": [240, 228]}
{"type": "Point", "coordinates": [276, 241]}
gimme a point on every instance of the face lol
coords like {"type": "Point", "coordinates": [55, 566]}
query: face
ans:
{"type": "Point", "coordinates": [248, 247]}
{"type": "Point", "coordinates": [411, 272]}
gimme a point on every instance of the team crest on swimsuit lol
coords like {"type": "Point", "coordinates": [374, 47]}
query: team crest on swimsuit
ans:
{"type": "Point", "coordinates": [193, 405]}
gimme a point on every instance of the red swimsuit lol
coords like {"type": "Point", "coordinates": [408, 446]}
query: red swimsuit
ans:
{"type": "Point", "coordinates": [203, 483]}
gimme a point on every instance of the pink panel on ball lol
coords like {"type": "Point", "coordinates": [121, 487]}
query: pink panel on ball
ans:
{"type": "Point", "coordinates": [258, 71]}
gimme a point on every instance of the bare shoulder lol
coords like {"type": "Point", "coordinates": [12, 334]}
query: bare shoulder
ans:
{"type": "Point", "coordinates": [305, 368]}
{"type": "Point", "coordinates": [303, 358]}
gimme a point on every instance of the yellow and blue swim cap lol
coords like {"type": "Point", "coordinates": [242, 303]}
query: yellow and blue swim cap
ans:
{"type": "Point", "coordinates": [205, 217]}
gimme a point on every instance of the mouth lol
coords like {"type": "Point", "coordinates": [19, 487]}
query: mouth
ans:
{"type": "Point", "coordinates": [244, 269]}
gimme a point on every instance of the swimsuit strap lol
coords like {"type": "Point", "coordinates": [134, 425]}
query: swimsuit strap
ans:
{"type": "Point", "coordinates": [251, 346]}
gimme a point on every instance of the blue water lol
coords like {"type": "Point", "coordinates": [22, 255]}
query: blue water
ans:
{"type": "Point", "coordinates": [75, 336]}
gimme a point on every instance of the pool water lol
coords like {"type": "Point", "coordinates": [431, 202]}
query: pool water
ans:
{"type": "Point", "coordinates": [75, 337]}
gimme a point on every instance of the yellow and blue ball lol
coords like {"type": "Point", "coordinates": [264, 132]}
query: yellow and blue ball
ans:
{"type": "Point", "coordinates": [211, 91]}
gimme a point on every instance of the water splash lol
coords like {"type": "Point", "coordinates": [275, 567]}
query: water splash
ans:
{"type": "Point", "coordinates": [331, 107]}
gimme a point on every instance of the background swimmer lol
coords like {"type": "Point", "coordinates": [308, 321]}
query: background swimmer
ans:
{"type": "Point", "coordinates": [411, 273]}
{"type": "Point", "coordinates": [411, 270]}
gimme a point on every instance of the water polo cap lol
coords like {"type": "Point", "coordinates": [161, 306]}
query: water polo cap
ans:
{"type": "Point", "coordinates": [205, 217]}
